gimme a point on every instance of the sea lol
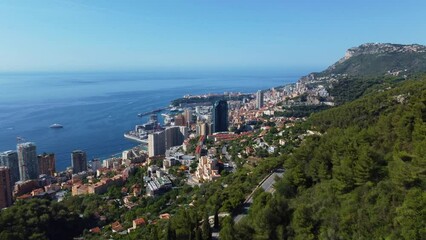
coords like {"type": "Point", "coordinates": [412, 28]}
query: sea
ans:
{"type": "Point", "coordinates": [97, 108]}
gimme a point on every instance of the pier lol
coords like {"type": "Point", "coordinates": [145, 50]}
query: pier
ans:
{"type": "Point", "coordinates": [151, 112]}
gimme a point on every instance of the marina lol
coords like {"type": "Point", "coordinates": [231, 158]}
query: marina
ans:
{"type": "Point", "coordinates": [140, 133]}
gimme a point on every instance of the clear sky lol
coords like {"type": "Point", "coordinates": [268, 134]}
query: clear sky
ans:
{"type": "Point", "coordinates": [90, 35]}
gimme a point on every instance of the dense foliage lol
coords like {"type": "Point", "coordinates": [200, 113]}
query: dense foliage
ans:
{"type": "Point", "coordinates": [301, 111]}
{"type": "Point", "coordinates": [363, 178]}
{"type": "Point", "coordinates": [39, 219]}
{"type": "Point", "coordinates": [353, 87]}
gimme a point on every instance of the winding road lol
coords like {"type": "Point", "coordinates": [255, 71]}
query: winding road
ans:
{"type": "Point", "coordinates": [268, 186]}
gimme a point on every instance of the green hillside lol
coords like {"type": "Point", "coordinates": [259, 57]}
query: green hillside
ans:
{"type": "Point", "coordinates": [363, 178]}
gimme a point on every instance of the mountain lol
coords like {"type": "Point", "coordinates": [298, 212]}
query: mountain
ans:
{"type": "Point", "coordinates": [375, 59]}
{"type": "Point", "coordinates": [366, 68]}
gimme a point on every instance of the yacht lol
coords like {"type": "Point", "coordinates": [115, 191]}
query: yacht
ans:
{"type": "Point", "coordinates": [56, 125]}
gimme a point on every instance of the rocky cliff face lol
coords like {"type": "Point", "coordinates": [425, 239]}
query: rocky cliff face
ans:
{"type": "Point", "coordinates": [384, 48]}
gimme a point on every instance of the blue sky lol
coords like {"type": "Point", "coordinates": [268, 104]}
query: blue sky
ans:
{"type": "Point", "coordinates": [90, 35]}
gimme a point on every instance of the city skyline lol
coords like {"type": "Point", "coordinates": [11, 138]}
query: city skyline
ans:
{"type": "Point", "coordinates": [193, 35]}
{"type": "Point", "coordinates": [225, 119]}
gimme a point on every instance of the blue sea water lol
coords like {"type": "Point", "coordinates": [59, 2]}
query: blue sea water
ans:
{"type": "Point", "coordinates": [97, 108]}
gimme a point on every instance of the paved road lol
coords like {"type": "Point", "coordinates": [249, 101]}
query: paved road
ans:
{"type": "Point", "coordinates": [267, 185]}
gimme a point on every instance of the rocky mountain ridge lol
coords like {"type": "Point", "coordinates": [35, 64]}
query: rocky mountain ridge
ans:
{"type": "Point", "coordinates": [363, 67]}
{"type": "Point", "coordinates": [379, 48]}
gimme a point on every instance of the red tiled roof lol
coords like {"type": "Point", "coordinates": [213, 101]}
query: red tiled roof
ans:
{"type": "Point", "coordinates": [116, 226]}
{"type": "Point", "coordinates": [95, 230]}
{"type": "Point", "coordinates": [139, 221]}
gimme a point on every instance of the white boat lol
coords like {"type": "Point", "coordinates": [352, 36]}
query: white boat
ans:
{"type": "Point", "coordinates": [56, 125]}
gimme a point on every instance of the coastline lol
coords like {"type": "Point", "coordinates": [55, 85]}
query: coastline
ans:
{"type": "Point", "coordinates": [105, 111]}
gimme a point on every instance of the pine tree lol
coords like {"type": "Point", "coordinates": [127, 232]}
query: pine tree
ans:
{"type": "Point", "coordinates": [216, 218]}
{"type": "Point", "coordinates": [206, 231]}
{"type": "Point", "coordinates": [363, 168]}
{"type": "Point", "coordinates": [170, 233]}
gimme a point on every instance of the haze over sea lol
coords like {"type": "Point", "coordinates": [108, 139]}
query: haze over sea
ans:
{"type": "Point", "coordinates": [97, 108]}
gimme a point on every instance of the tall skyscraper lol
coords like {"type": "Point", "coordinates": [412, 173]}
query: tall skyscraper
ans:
{"type": "Point", "coordinates": [5, 187]}
{"type": "Point", "coordinates": [220, 116]}
{"type": "Point", "coordinates": [27, 158]}
{"type": "Point", "coordinates": [46, 164]}
{"type": "Point", "coordinates": [78, 161]}
{"type": "Point", "coordinates": [188, 116]}
{"type": "Point", "coordinates": [172, 136]}
{"type": "Point", "coordinates": [156, 144]}
{"type": "Point", "coordinates": [259, 99]}
{"type": "Point", "coordinates": [10, 159]}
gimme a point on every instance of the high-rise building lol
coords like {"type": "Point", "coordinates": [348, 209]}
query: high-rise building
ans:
{"type": "Point", "coordinates": [174, 136]}
{"type": "Point", "coordinates": [78, 161]}
{"type": "Point", "coordinates": [5, 187]}
{"type": "Point", "coordinates": [10, 159]}
{"type": "Point", "coordinates": [188, 116]}
{"type": "Point", "coordinates": [171, 136]}
{"type": "Point", "coordinates": [180, 120]}
{"type": "Point", "coordinates": [220, 116]}
{"type": "Point", "coordinates": [96, 164]}
{"type": "Point", "coordinates": [46, 164]}
{"type": "Point", "coordinates": [259, 99]}
{"type": "Point", "coordinates": [156, 144]}
{"type": "Point", "coordinates": [184, 132]}
{"type": "Point", "coordinates": [27, 158]}
{"type": "Point", "coordinates": [202, 129]}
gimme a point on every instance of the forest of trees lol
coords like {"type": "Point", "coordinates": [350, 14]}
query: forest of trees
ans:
{"type": "Point", "coordinates": [39, 219]}
{"type": "Point", "coordinates": [363, 178]}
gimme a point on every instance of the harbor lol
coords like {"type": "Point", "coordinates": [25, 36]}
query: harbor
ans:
{"type": "Point", "coordinates": [141, 131]}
